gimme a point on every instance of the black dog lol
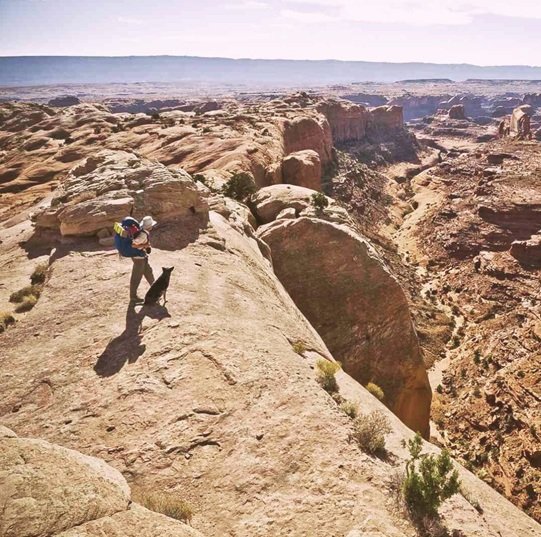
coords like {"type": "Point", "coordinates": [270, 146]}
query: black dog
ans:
{"type": "Point", "coordinates": [159, 287]}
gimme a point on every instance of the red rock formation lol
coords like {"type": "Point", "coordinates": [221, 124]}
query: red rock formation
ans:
{"type": "Point", "coordinates": [384, 121]}
{"type": "Point", "coordinates": [347, 121]}
{"type": "Point", "coordinates": [457, 112]}
{"type": "Point", "coordinates": [302, 168]}
{"type": "Point", "coordinates": [313, 133]}
{"type": "Point", "coordinates": [342, 287]}
{"type": "Point", "coordinates": [527, 252]}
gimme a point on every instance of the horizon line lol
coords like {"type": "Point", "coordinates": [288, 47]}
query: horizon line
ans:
{"type": "Point", "coordinates": [413, 62]}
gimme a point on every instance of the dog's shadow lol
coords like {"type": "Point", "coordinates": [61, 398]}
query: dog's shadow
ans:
{"type": "Point", "coordinates": [127, 347]}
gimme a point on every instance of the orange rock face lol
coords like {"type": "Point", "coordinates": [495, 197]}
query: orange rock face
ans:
{"type": "Point", "coordinates": [348, 121]}
{"type": "Point", "coordinates": [302, 168]}
{"type": "Point", "coordinates": [344, 290]}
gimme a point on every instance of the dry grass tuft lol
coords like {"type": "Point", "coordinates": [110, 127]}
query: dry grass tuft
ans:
{"type": "Point", "coordinates": [325, 375]}
{"type": "Point", "coordinates": [376, 391]}
{"type": "Point", "coordinates": [6, 319]}
{"type": "Point", "coordinates": [370, 431]}
{"type": "Point", "coordinates": [27, 303]}
{"type": "Point", "coordinates": [40, 273]}
{"type": "Point", "coordinates": [166, 503]}
{"type": "Point", "coordinates": [349, 408]}
{"type": "Point", "coordinates": [29, 290]}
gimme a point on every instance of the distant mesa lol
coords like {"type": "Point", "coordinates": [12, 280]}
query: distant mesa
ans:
{"type": "Point", "coordinates": [65, 100]}
{"type": "Point", "coordinates": [426, 81]}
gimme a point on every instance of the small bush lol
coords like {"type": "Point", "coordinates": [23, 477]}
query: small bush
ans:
{"type": "Point", "coordinates": [239, 187]}
{"type": "Point", "coordinates": [375, 390]}
{"type": "Point", "coordinates": [167, 504]}
{"type": "Point", "coordinates": [370, 431]}
{"type": "Point", "coordinates": [319, 201]}
{"type": "Point", "coordinates": [349, 408]}
{"type": "Point", "coordinates": [29, 290]}
{"type": "Point", "coordinates": [476, 357]}
{"type": "Point", "coordinates": [27, 303]}
{"type": "Point", "coordinates": [430, 480]}
{"type": "Point", "coordinates": [439, 388]}
{"type": "Point", "coordinates": [39, 274]}
{"type": "Point", "coordinates": [6, 319]}
{"type": "Point", "coordinates": [299, 347]}
{"type": "Point", "coordinates": [325, 375]}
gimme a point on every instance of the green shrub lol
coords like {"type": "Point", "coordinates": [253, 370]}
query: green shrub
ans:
{"type": "Point", "coordinates": [39, 274]}
{"type": "Point", "coordinates": [476, 357]}
{"type": "Point", "coordinates": [29, 290]}
{"type": "Point", "coordinates": [349, 408]}
{"type": "Point", "coordinates": [319, 201]}
{"type": "Point", "coordinates": [370, 431]}
{"type": "Point", "coordinates": [240, 186]}
{"type": "Point", "coordinates": [439, 388]}
{"type": "Point", "coordinates": [6, 319]}
{"type": "Point", "coordinates": [27, 303]}
{"type": "Point", "coordinates": [430, 480]}
{"type": "Point", "coordinates": [325, 375]}
{"type": "Point", "coordinates": [299, 347]}
{"type": "Point", "coordinates": [167, 504]}
{"type": "Point", "coordinates": [375, 390]}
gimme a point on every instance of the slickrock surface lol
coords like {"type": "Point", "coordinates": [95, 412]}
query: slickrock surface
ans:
{"type": "Point", "coordinates": [50, 490]}
{"type": "Point", "coordinates": [214, 395]}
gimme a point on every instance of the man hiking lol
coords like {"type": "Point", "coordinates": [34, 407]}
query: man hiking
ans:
{"type": "Point", "coordinates": [132, 239]}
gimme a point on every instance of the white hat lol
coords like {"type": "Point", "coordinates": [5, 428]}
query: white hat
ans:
{"type": "Point", "coordinates": [148, 222]}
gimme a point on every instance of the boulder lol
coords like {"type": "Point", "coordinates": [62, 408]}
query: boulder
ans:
{"type": "Point", "coordinates": [302, 168]}
{"type": "Point", "coordinates": [347, 293]}
{"type": "Point", "coordinates": [527, 252]}
{"type": "Point", "coordinates": [108, 186]}
{"type": "Point", "coordinates": [47, 489]}
{"type": "Point", "coordinates": [457, 112]}
{"type": "Point", "coordinates": [50, 490]}
{"type": "Point", "coordinates": [268, 202]}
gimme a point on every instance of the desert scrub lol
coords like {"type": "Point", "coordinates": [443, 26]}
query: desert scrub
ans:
{"type": "Point", "coordinates": [319, 201]}
{"type": "Point", "coordinates": [166, 503]}
{"type": "Point", "coordinates": [370, 431]}
{"type": "Point", "coordinates": [40, 273]}
{"type": "Point", "coordinates": [26, 304]}
{"type": "Point", "coordinates": [240, 186]}
{"type": "Point", "coordinates": [6, 319]}
{"type": "Point", "coordinates": [325, 375]}
{"type": "Point", "coordinates": [29, 290]}
{"type": "Point", "coordinates": [299, 347]}
{"type": "Point", "coordinates": [349, 408]}
{"type": "Point", "coordinates": [429, 481]}
{"type": "Point", "coordinates": [375, 390]}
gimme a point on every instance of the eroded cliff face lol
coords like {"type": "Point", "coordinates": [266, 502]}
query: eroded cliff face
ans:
{"type": "Point", "coordinates": [338, 281]}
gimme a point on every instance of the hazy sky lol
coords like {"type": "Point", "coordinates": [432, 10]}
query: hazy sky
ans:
{"type": "Point", "coordinates": [486, 32]}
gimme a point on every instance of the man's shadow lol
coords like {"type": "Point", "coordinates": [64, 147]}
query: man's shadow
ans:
{"type": "Point", "coordinates": [127, 347]}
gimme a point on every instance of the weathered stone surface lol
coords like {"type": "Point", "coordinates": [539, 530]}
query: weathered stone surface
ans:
{"type": "Point", "coordinates": [338, 281]}
{"type": "Point", "coordinates": [528, 252]}
{"type": "Point", "coordinates": [347, 121]}
{"type": "Point", "coordinates": [46, 489]}
{"type": "Point", "coordinates": [457, 112]}
{"type": "Point", "coordinates": [302, 168]}
{"type": "Point", "coordinates": [384, 121]}
{"type": "Point", "coordinates": [268, 202]}
{"type": "Point", "coordinates": [308, 133]}
{"type": "Point", "coordinates": [106, 187]}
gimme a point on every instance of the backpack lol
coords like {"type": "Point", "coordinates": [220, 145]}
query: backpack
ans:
{"type": "Point", "coordinates": [124, 233]}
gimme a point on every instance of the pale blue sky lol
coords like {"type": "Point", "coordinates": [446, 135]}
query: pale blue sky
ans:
{"type": "Point", "coordinates": [485, 32]}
